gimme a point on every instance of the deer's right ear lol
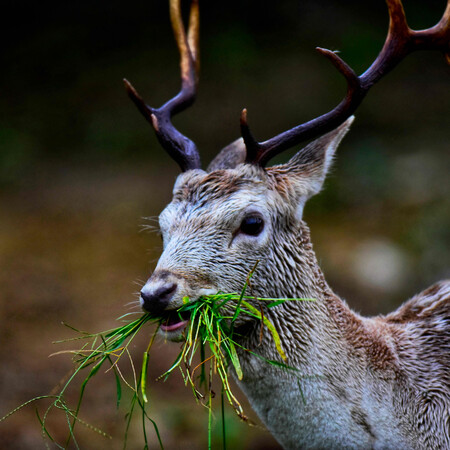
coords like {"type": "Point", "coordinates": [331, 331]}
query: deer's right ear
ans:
{"type": "Point", "coordinates": [304, 174]}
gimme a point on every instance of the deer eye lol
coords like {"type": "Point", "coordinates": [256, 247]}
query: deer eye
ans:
{"type": "Point", "coordinates": [252, 225]}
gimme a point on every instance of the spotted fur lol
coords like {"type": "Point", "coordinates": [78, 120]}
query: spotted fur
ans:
{"type": "Point", "coordinates": [356, 382]}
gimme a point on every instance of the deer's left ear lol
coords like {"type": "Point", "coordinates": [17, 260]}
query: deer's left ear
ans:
{"type": "Point", "coordinates": [305, 173]}
{"type": "Point", "coordinates": [229, 157]}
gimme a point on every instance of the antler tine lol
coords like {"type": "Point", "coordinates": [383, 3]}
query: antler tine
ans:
{"type": "Point", "coordinates": [261, 153]}
{"type": "Point", "coordinates": [400, 41]}
{"type": "Point", "coordinates": [180, 148]}
{"type": "Point", "coordinates": [194, 35]}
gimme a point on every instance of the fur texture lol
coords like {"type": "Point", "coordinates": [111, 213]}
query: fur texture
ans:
{"type": "Point", "coordinates": [379, 383]}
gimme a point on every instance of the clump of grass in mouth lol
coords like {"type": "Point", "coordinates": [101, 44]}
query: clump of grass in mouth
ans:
{"type": "Point", "coordinates": [209, 330]}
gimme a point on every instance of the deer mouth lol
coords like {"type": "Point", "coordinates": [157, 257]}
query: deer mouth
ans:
{"type": "Point", "coordinates": [174, 320]}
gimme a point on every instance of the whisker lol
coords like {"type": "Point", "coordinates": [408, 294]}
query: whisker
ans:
{"type": "Point", "coordinates": [133, 303]}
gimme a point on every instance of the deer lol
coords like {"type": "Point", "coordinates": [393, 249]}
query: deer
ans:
{"type": "Point", "coordinates": [381, 382]}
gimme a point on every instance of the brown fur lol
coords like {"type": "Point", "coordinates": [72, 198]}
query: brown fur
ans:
{"type": "Point", "coordinates": [356, 382]}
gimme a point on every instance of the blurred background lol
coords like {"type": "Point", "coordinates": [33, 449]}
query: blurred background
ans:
{"type": "Point", "coordinates": [80, 169]}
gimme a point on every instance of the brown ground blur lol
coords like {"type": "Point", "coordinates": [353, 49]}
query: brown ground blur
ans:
{"type": "Point", "coordinates": [78, 258]}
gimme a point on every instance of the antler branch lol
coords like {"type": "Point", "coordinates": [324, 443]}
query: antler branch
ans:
{"type": "Point", "coordinates": [401, 40]}
{"type": "Point", "coordinates": [179, 147]}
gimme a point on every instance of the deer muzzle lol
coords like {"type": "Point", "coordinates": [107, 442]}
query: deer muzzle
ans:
{"type": "Point", "coordinates": [162, 295]}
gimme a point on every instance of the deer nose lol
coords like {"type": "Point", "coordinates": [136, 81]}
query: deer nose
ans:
{"type": "Point", "coordinates": [156, 300]}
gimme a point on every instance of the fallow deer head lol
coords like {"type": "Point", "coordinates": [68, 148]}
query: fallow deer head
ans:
{"type": "Point", "coordinates": [222, 220]}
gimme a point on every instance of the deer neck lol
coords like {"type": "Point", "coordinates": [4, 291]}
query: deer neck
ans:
{"type": "Point", "coordinates": [328, 349]}
{"type": "Point", "coordinates": [295, 268]}
{"type": "Point", "coordinates": [303, 324]}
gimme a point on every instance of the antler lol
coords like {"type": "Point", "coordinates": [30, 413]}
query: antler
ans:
{"type": "Point", "coordinates": [179, 147]}
{"type": "Point", "coordinates": [401, 40]}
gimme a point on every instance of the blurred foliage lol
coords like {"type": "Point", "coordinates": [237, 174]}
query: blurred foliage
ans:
{"type": "Point", "coordinates": [63, 64]}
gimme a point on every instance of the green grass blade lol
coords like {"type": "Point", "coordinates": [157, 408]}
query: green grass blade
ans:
{"type": "Point", "coordinates": [271, 328]}
{"type": "Point", "coordinates": [276, 303]}
{"type": "Point", "coordinates": [247, 281]}
{"type": "Point", "coordinates": [118, 387]}
{"type": "Point", "coordinates": [144, 376]}
{"type": "Point", "coordinates": [235, 359]}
